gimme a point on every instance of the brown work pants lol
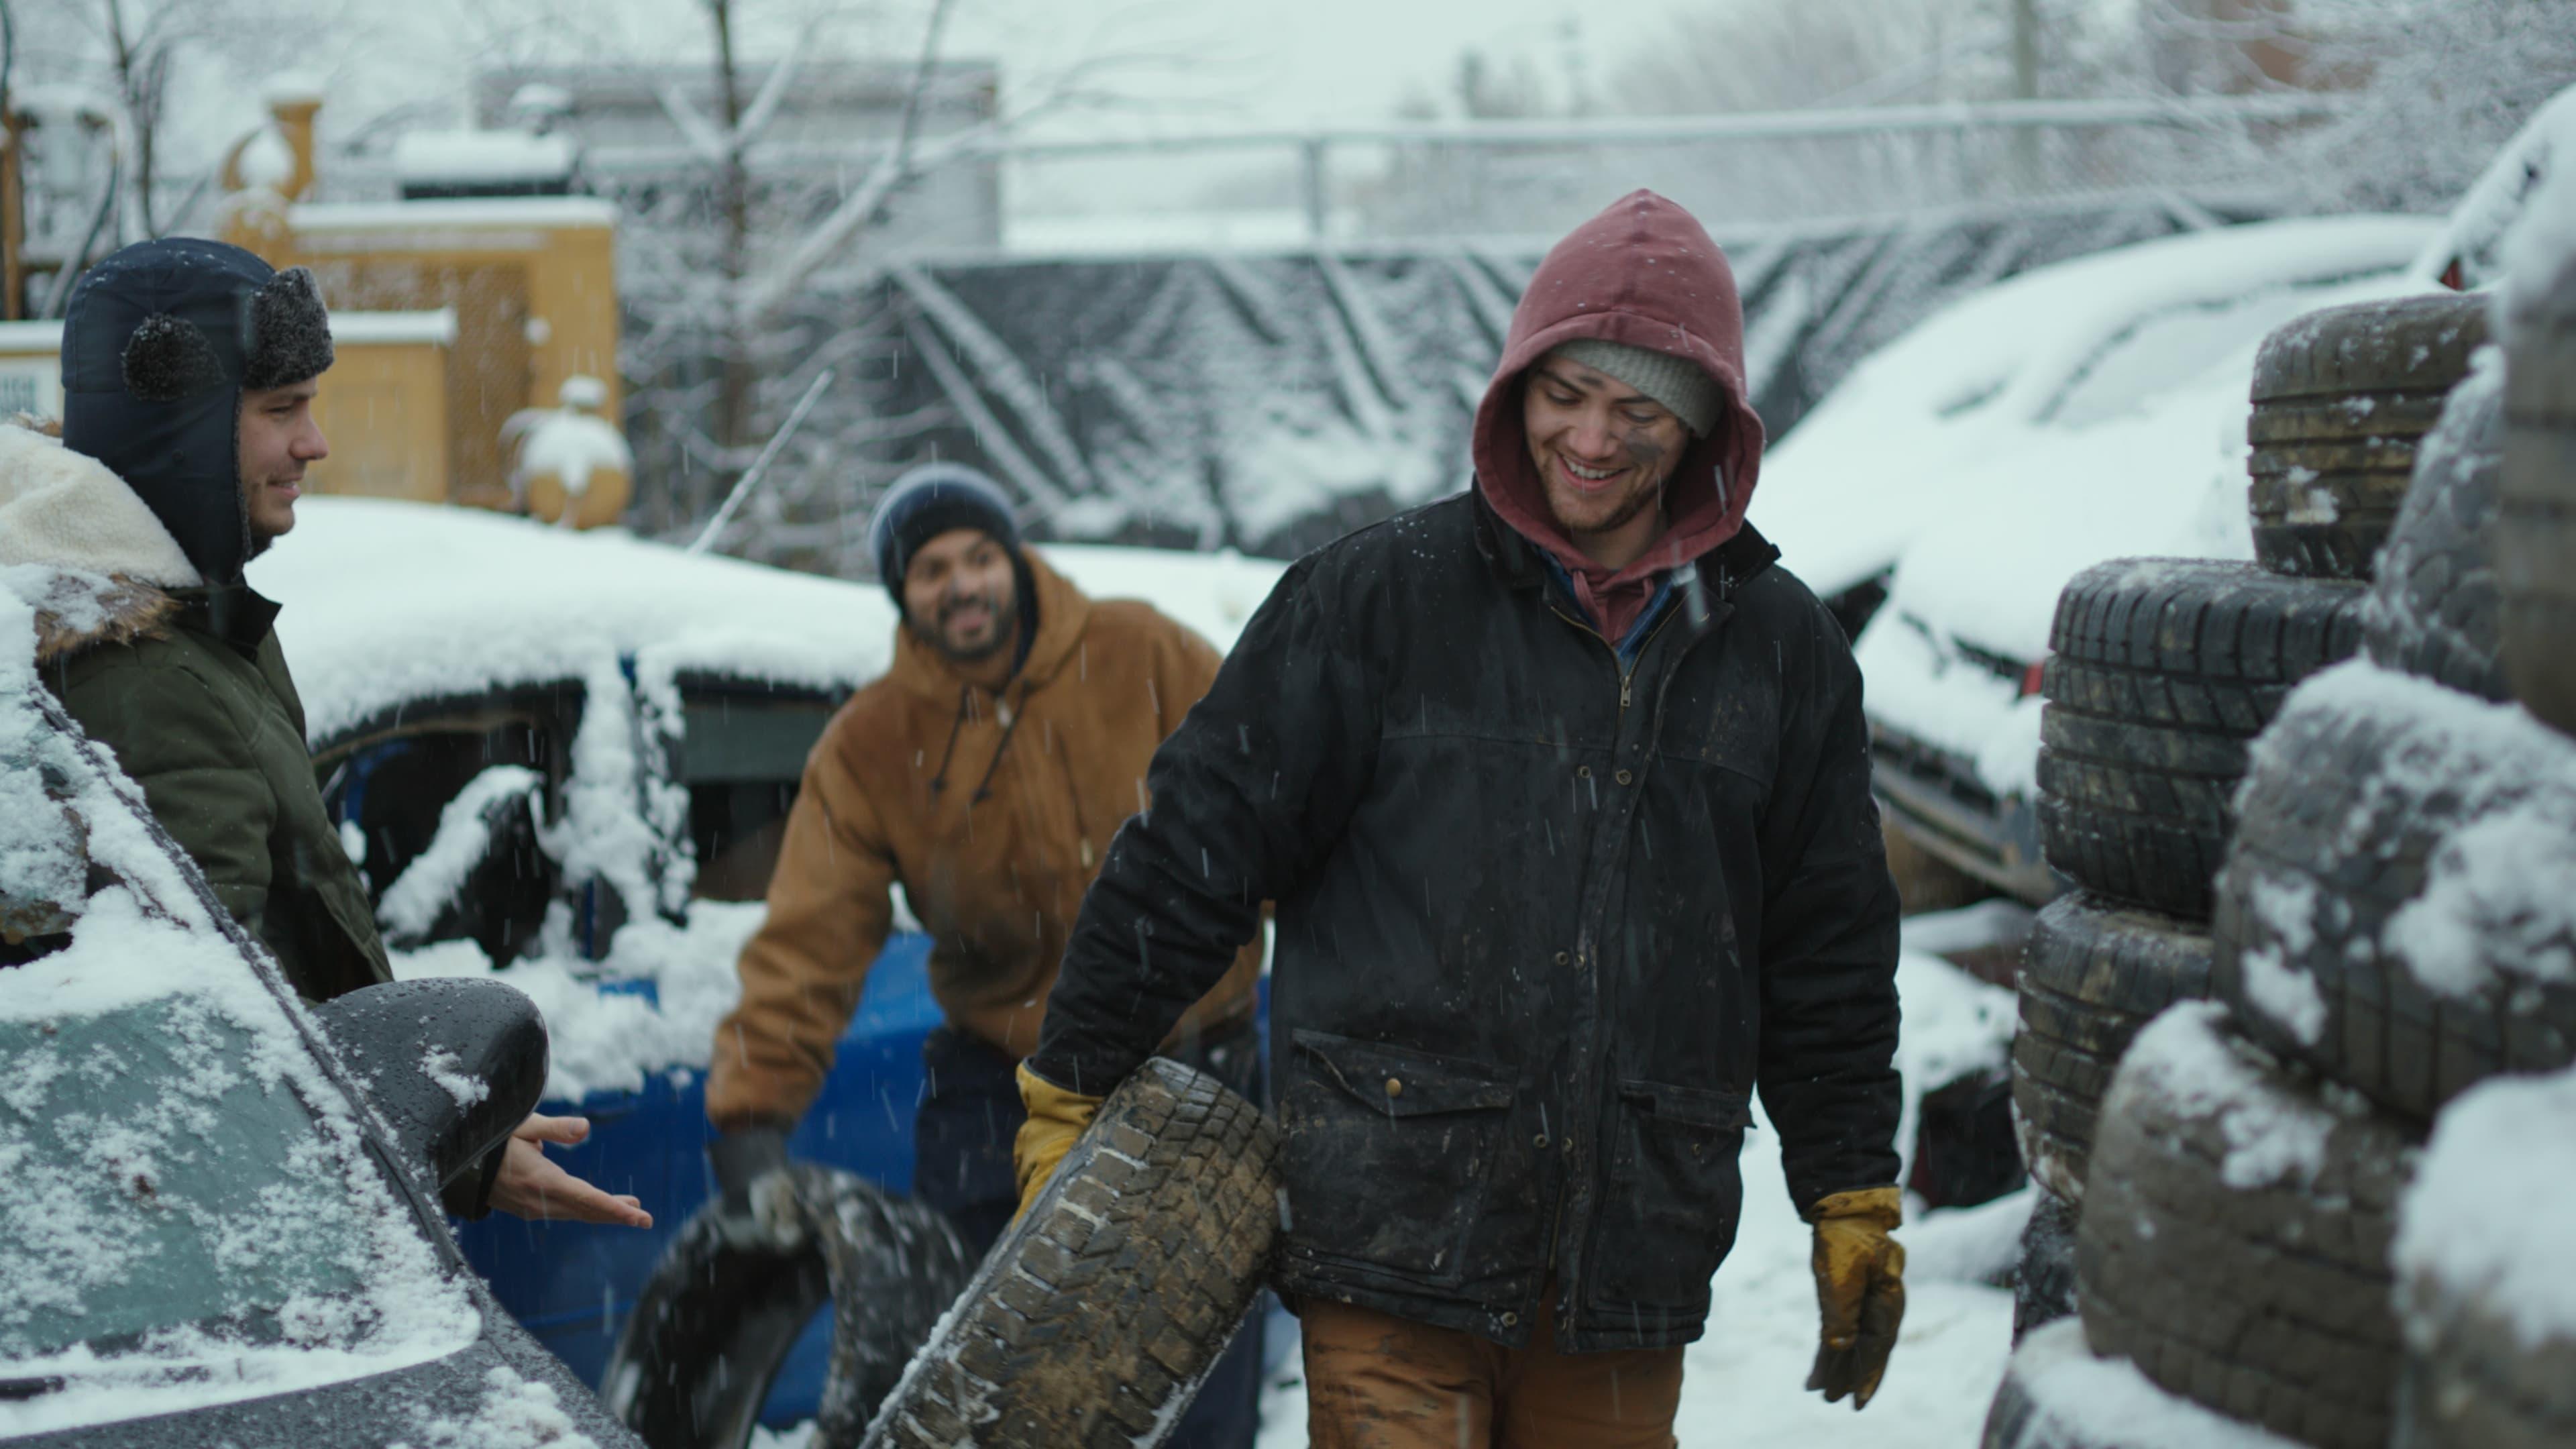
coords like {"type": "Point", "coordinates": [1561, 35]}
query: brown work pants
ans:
{"type": "Point", "coordinates": [1374, 1381]}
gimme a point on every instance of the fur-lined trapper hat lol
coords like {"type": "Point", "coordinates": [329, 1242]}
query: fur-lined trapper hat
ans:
{"type": "Point", "coordinates": [159, 343]}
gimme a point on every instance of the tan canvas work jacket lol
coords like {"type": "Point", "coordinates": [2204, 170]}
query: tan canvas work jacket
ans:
{"type": "Point", "coordinates": [993, 813]}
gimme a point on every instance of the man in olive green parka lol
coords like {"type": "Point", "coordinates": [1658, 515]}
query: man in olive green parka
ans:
{"type": "Point", "coordinates": [189, 371]}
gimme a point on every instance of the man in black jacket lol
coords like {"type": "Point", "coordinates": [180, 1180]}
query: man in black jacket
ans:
{"type": "Point", "coordinates": [1562, 789]}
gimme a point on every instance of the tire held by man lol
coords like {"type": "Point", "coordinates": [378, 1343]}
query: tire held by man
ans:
{"type": "Point", "coordinates": [1093, 1321]}
{"type": "Point", "coordinates": [719, 1315]}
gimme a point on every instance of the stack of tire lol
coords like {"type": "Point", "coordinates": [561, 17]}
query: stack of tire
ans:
{"type": "Point", "coordinates": [2232, 1192]}
{"type": "Point", "coordinates": [2394, 924]}
{"type": "Point", "coordinates": [2161, 674]}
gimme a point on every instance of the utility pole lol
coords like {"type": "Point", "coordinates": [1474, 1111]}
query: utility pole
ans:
{"type": "Point", "coordinates": [2025, 64]}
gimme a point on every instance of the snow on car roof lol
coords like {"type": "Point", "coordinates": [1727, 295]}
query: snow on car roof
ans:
{"type": "Point", "coordinates": [386, 603]}
{"type": "Point", "coordinates": [1914, 435]}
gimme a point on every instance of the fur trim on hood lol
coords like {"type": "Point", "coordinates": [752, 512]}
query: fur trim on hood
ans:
{"type": "Point", "coordinates": [81, 548]}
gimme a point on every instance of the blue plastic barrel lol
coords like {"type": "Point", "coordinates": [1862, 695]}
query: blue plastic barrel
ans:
{"type": "Point", "coordinates": [572, 1284]}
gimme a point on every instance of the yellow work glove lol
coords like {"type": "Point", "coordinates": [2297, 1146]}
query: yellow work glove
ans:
{"type": "Point", "coordinates": [1057, 1117]}
{"type": "Point", "coordinates": [1860, 1286]}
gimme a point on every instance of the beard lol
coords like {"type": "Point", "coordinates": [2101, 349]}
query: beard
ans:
{"type": "Point", "coordinates": [1001, 629]}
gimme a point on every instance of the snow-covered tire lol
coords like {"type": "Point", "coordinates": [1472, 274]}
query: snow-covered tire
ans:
{"type": "Point", "coordinates": [2235, 1235]}
{"type": "Point", "coordinates": [2160, 672]}
{"type": "Point", "coordinates": [2092, 975]}
{"type": "Point", "coordinates": [2044, 1274]}
{"type": "Point", "coordinates": [2433, 610]}
{"type": "Point", "coordinates": [717, 1318]}
{"type": "Point", "coordinates": [2341, 398]}
{"type": "Point", "coordinates": [1095, 1318]}
{"type": "Point", "coordinates": [2057, 1395]}
{"type": "Point", "coordinates": [2395, 909]}
{"type": "Point", "coordinates": [2535, 541]}
{"type": "Point", "coordinates": [2490, 1325]}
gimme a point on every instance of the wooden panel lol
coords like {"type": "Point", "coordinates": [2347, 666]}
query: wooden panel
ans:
{"type": "Point", "coordinates": [383, 407]}
{"type": "Point", "coordinates": [488, 368]}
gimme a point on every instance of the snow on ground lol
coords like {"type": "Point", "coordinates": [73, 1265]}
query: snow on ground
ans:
{"type": "Point", "coordinates": [1744, 1384]}
{"type": "Point", "coordinates": [2107, 1401]}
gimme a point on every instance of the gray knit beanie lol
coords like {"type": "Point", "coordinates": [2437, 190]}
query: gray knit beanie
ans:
{"type": "Point", "coordinates": [1677, 382]}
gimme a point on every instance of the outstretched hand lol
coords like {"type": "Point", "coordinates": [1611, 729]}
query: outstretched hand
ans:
{"type": "Point", "coordinates": [532, 1185]}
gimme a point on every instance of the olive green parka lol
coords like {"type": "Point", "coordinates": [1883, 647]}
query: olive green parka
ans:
{"type": "Point", "coordinates": [187, 685]}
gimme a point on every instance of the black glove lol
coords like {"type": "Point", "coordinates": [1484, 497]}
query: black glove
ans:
{"type": "Point", "coordinates": [743, 1157]}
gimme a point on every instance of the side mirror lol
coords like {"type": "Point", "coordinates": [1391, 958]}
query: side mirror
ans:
{"type": "Point", "coordinates": [453, 1065]}
{"type": "Point", "coordinates": [44, 880]}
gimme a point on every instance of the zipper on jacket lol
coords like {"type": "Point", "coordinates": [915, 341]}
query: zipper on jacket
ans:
{"type": "Point", "coordinates": [1627, 669]}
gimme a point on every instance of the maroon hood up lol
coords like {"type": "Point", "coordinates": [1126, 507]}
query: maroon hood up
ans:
{"type": "Point", "coordinates": [1645, 273]}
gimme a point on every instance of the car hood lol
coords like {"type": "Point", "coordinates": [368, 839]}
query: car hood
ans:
{"type": "Point", "coordinates": [1950, 420]}
{"type": "Point", "coordinates": [2166, 481]}
{"type": "Point", "coordinates": [503, 1391]}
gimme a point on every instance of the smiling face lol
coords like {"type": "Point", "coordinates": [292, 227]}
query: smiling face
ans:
{"type": "Point", "coordinates": [962, 596]}
{"type": "Point", "coordinates": [1603, 451]}
{"type": "Point", "coordinates": [278, 439]}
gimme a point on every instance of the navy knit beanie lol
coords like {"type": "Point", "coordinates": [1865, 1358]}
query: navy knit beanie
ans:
{"type": "Point", "coordinates": [929, 501]}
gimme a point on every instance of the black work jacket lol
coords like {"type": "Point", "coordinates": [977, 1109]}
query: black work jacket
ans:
{"type": "Point", "coordinates": [1544, 924]}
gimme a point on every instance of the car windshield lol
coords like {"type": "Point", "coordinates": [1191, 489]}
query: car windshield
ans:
{"type": "Point", "coordinates": [191, 1208]}
{"type": "Point", "coordinates": [149, 1177]}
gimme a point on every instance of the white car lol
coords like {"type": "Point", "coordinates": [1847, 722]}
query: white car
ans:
{"type": "Point", "coordinates": [1949, 488]}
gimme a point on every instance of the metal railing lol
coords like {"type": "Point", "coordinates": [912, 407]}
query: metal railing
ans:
{"type": "Point", "coordinates": [1407, 181]}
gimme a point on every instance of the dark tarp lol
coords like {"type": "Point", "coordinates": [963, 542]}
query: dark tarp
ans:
{"type": "Point", "coordinates": [1270, 402]}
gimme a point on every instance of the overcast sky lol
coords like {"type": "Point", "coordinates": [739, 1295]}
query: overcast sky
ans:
{"type": "Point", "coordinates": [1184, 64]}
{"type": "Point", "coordinates": [1296, 62]}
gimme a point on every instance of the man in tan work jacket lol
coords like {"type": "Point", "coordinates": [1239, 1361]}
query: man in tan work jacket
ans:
{"type": "Point", "coordinates": [985, 773]}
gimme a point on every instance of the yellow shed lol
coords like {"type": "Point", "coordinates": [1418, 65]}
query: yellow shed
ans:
{"type": "Point", "coordinates": [383, 406]}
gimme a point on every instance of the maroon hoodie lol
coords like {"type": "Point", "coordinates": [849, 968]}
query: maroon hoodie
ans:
{"type": "Point", "coordinates": [1645, 273]}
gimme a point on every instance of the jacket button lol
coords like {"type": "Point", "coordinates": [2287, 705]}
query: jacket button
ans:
{"type": "Point", "coordinates": [1583, 772]}
{"type": "Point", "coordinates": [1394, 1087]}
{"type": "Point", "coordinates": [1624, 777]}
{"type": "Point", "coordinates": [1541, 1142]}
{"type": "Point", "coordinates": [1567, 1144]}
{"type": "Point", "coordinates": [1510, 1318]}
{"type": "Point", "coordinates": [1562, 958]}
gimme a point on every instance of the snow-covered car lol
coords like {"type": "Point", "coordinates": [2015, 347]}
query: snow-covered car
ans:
{"type": "Point", "coordinates": [218, 1211]}
{"type": "Point", "coordinates": [564, 760]}
{"type": "Point", "coordinates": [1946, 492]}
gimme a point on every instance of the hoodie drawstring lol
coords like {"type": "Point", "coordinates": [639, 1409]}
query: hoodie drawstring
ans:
{"type": "Point", "coordinates": [939, 781]}
{"type": "Point", "coordinates": [1010, 727]}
